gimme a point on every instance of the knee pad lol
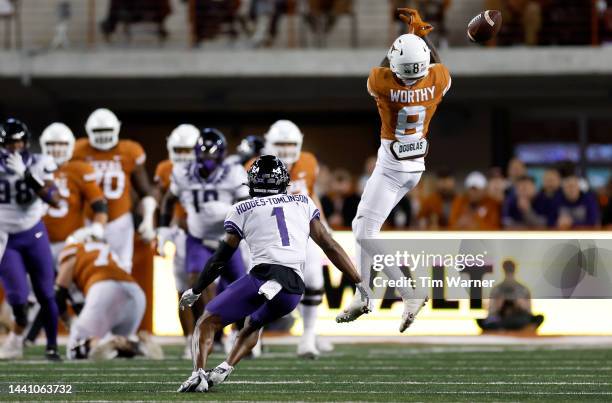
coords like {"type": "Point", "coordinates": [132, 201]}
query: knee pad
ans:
{"type": "Point", "coordinates": [21, 314]}
{"type": "Point", "coordinates": [312, 297]}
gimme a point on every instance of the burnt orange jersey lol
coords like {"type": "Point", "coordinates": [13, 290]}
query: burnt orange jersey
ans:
{"type": "Point", "coordinates": [406, 110]}
{"type": "Point", "coordinates": [114, 169]}
{"type": "Point", "coordinates": [303, 174]}
{"type": "Point", "coordinates": [163, 174]}
{"type": "Point", "coordinates": [94, 262]}
{"type": "Point", "coordinates": [77, 186]}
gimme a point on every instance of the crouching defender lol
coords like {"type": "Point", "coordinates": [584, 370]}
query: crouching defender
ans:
{"type": "Point", "coordinates": [276, 227]}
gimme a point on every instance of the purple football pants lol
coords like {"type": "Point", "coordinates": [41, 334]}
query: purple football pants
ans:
{"type": "Point", "coordinates": [242, 299]}
{"type": "Point", "coordinates": [29, 252]}
{"type": "Point", "coordinates": [197, 255]}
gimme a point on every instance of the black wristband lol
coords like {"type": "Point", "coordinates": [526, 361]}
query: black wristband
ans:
{"type": "Point", "coordinates": [214, 267]}
{"type": "Point", "coordinates": [99, 207]}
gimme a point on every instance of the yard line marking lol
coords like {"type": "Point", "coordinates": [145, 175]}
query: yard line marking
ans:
{"type": "Point", "coordinates": [405, 382]}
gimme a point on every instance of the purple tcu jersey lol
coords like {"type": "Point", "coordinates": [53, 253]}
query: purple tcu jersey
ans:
{"type": "Point", "coordinates": [207, 201]}
{"type": "Point", "coordinates": [276, 228]}
{"type": "Point", "coordinates": [20, 207]}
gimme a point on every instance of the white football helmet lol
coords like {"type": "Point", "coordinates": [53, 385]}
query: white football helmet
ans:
{"type": "Point", "coordinates": [409, 57]}
{"type": "Point", "coordinates": [103, 129]}
{"type": "Point", "coordinates": [284, 140]}
{"type": "Point", "coordinates": [57, 141]}
{"type": "Point", "coordinates": [185, 136]}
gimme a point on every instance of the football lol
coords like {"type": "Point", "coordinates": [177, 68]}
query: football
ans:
{"type": "Point", "coordinates": [485, 26]}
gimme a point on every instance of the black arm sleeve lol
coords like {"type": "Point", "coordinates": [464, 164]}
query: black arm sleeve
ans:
{"type": "Point", "coordinates": [214, 267]}
{"type": "Point", "coordinates": [61, 295]}
{"type": "Point", "coordinates": [99, 207]}
{"type": "Point", "coordinates": [33, 182]}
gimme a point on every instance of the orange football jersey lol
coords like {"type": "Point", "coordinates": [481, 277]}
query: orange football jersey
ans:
{"type": "Point", "coordinates": [406, 110]}
{"type": "Point", "coordinates": [94, 262]}
{"type": "Point", "coordinates": [77, 186]}
{"type": "Point", "coordinates": [163, 175]}
{"type": "Point", "coordinates": [114, 169]}
{"type": "Point", "coordinates": [303, 173]}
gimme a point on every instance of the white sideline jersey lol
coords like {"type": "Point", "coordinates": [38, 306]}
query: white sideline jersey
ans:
{"type": "Point", "coordinates": [276, 228]}
{"type": "Point", "coordinates": [20, 207]}
{"type": "Point", "coordinates": [207, 201]}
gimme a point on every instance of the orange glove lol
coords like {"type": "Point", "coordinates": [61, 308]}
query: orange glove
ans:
{"type": "Point", "coordinates": [415, 24]}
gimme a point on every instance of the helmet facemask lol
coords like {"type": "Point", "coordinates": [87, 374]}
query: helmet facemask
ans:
{"type": "Point", "coordinates": [60, 151]}
{"type": "Point", "coordinates": [289, 153]}
{"type": "Point", "coordinates": [181, 155]}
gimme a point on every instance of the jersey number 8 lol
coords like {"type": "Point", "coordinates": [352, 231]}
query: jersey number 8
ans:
{"type": "Point", "coordinates": [410, 123]}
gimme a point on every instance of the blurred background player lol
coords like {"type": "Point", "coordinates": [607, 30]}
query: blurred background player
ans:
{"type": "Point", "coordinates": [206, 188]}
{"type": "Point", "coordinates": [77, 187]}
{"type": "Point", "coordinates": [118, 165]}
{"type": "Point", "coordinates": [114, 303]}
{"type": "Point", "coordinates": [180, 146]}
{"type": "Point", "coordinates": [276, 228]}
{"type": "Point", "coordinates": [26, 184]}
{"type": "Point", "coordinates": [408, 87]}
{"type": "Point", "coordinates": [284, 140]}
{"type": "Point", "coordinates": [249, 147]}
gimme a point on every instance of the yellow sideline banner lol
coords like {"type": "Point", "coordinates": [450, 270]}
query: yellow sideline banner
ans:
{"type": "Point", "coordinates": [452, 318]}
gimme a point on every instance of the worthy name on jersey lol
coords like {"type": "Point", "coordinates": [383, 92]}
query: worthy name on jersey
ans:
{"type": "Point", "coordinates": [412, 96]}
{"type": "Point", "coordinates": [271, 201]}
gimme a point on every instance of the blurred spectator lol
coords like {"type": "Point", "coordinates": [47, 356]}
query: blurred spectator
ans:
{"type": "Point", "coordinates": [568, 22]}
{"type": "Point", "coordinates": [368, 168]}
{"type": "Point", "coordinates": [340, 202]}
{"type": "Point", "coordinates": [574, 208]}
{"type": "Point", "coordinates": [321, 16]}
{"type": "Point", "coordinates": [510, 305]}
{"type": "Point", "coordinates": [266, 15]}
{"type": "Point", "coordinates": [432, 11]}
{"type": "Point", "coordinates": [133, 11]}
{"type": "Point", "coordinates": [436, 207]}
{"type": "Point", "coordinates": [497, 185]}
{"type": "Point", "coordinates": [521, 209]}
{"type": "Point", "coordinates": [604, 7]}
{"type": "Point", "coordinates": [545, 199]}
{"type": "Point", "coordinates": [516, 169]}
{"type": "Point", "coordinates": [522, 21]}
{"type": "Point", "coordinates": [209, 18]}
{"type": "Point", "coordinates": [475, 210]}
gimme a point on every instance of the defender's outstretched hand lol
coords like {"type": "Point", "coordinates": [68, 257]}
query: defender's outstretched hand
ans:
{"type": "Point", "coordinates": [416, 25]}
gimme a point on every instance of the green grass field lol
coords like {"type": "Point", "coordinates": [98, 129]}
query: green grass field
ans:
{"type": "Point", "coordinates": [372, 372]}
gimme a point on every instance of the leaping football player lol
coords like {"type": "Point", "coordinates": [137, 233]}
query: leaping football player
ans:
{"type": "Point", "coordinates": [408, 87]}
{"type": "Point", "coordinates": [276, 226]}
{"type": "Point", "coordinates": [118, 164]}
{"type": "Point", "coordinates": [26, 184]}
{"type": "Point", "coordinates": [180, 146]}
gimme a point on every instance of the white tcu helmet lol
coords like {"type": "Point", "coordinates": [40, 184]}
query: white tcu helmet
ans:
{"type": "Point", "coordinates": [57, 141]}
{"type": "Point", "coordinates": [409, 57]}
{"type": "Point", "coordinates": [284, 140]}
{"type": "Point", "coordinates": [103, 129]}
{"type": "Point", "coordinates": [184, 136]}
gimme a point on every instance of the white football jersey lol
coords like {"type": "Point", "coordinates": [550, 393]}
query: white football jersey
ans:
{"type": "Point", "coordinates": [20, 207]}
{"type": "Point", "coordinates": [207, 201]}
{"type": "Point", "coordinates": [276, 228]}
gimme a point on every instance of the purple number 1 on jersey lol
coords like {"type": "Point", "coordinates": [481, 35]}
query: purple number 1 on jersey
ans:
{"type": "Point", "coordinates": [279, 213]}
